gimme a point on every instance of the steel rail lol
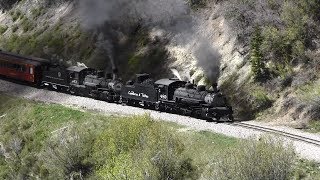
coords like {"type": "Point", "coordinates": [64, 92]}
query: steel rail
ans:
{"type": "Point", "coordinates": [278, 132]}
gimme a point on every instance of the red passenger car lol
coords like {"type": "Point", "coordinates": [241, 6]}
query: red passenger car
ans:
{"type": "Point", "coordinates": [21, 68]}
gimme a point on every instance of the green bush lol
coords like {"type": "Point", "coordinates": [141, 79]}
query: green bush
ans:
{"type": "Point", "coordinates": [284, 37]}
{"type": "Point", "coordinates": [15, 15]}
{"type": "Point", "coordinates": [266, 159]}
{"type": "Point", "coordinates": [197, 3]}
{"type": "Point", "coordinates": [14, 28]}
{"type": "Point", "coordinates": [306, 170]}
{"type": "Point", "coordinates": [261, 99]}
{"type": "Point", "coordinates": [36, 12]}
{"type": "Point", "coordinates": [65, 155]}
{"type": "Point", "coordinates": [27, 25]}
{"type": "Point", "coordinates": [140, 148]}
{"type": "Point", "coordinates": [3, 29]}
{"type": "Point", "coordinates": [239, 96]}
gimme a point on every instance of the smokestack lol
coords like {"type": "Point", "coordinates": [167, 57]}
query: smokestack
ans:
{"type": "Point", "coordinates": [215, 87]}
{"type": "Point", "coordinates": [114, 73]}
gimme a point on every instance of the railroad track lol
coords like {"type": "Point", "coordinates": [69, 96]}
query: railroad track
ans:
{"type": "Point", "coordinates": [278, 132]}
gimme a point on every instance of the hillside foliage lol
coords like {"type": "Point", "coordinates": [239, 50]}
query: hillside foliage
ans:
{"type": "Point", "coordinates": [282, 39]}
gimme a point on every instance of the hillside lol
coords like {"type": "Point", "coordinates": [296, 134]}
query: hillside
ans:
{"type": "Point", "coordinates": [264, 54]}
{"type": "Point", "coordinates": [51, 141]}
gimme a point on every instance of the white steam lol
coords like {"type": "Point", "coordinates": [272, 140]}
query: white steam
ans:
{"type": "Point", "coordinates": [176, 73]}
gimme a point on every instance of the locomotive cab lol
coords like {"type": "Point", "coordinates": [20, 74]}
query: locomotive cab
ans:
{"type": "Point", "coordinates": [167, 87]}
{"type": "Point", "coordinates": [77, 75]}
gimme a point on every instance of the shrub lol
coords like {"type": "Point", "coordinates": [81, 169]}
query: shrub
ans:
{"type": "Point", "coordinates": [66, 155]}
{"type": "Point", "coordinates": [197, 3]}
{"type": "Point", "coordinates": [140, 148]}
{"type": "Point", "coordinates": [310, 95]}
{"type": "Point", "coordinates": [14, 28]}
{"type": "Point", "coordinates": [36, 12]}
{"type": "Point", "coordinates": [27, 25]}
{"type": "Point", "coordinates": [239, 96]}
{"type": "Point", "coordinates": [285, 38]}
{"type": "Point", "coordinates": [306, 170]}
{"type": "Point", "coordinates": [265, 159]}
{"type": "Point", "coordinates": [15, 15]}
{"type": "Point", "coordinates": [3, 29]}
{"type": "Point", "coordinates": [261, 99]}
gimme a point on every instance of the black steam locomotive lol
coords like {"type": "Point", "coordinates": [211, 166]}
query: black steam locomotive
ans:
{"type": "Point", "coordinates": [177, 96]}
{"type": "Point", "coordinates": [170, 95]}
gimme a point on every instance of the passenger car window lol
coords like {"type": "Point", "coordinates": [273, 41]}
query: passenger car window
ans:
{"type": "Point", "coordinates": [31, 70]}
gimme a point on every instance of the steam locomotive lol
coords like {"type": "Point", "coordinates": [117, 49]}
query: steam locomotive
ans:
{"type": "Point", "coordinates": [170, 95]}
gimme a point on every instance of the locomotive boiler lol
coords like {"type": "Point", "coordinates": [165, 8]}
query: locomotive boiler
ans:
{"type": "Point", "coordinates": [105, 88]}
{"type": "Point", "coordinates": [209, 104]}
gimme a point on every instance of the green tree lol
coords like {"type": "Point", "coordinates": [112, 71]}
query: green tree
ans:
{"type": "Point", "coordinates": [258, 66]}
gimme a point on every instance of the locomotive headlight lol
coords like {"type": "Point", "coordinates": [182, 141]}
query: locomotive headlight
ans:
{"type": "Point", "coordinates": [209, 98]}
{"type": "Point", "coordinates": [216, 100]}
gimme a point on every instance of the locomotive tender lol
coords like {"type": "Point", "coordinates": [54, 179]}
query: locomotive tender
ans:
{"type": "Point", "coordinates": [171, 95]}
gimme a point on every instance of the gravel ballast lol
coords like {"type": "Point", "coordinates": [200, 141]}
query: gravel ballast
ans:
{"type": "Point", "coordinates": [305, 150]}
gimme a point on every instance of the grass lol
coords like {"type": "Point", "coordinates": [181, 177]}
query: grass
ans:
{"type": "Point", "coordinates": [307, 170]}
{"type": "Point", "coordinates": [204, 145]}
{"type": "Point", "coordinates": [309, 93]}
{"type": "Point", "coordinates": [313, 127]}
{"type": "Point", "coordinates": [36, 122]}
{"type": "Point", "coordinates": [53, 141]}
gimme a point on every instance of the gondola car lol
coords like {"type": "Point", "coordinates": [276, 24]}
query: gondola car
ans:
{"type": "Point", "coordinates": [17, 67]}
